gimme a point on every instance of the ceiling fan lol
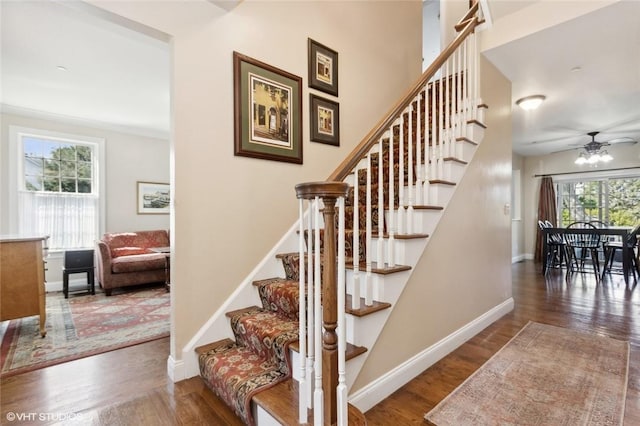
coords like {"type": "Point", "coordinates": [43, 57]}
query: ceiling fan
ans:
{"type": "Point", "coordinates": [593, 152]}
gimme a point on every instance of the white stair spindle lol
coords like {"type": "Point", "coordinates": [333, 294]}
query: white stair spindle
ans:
{"type": "Point", "coordinates": [380, 245]}
{"type": "Point", "coordinates": [341, 397]}
{"type": "Point", "coordinates": [355, 289]}
{"type": "Point", "coordinates": [318, 394]}
{"type": "Point", "coordinates": [311, 249]}
{"type": "Point", "coordinates": [410, 187]}
{"type": "Point", "coordinates": [302, 310]}
{"type": "Point", "coordinates": [368, 284]}
{"type": "Point", "coordinates": [428, 111]}
{"type": "Point", "coordinates": [440, 122]}
{"type": "Point", "coordinates": [392, 202]}
{"type": "Point", "coordinates": [401, 212]}
{"type": "Point", "coordinates": [418, 159]}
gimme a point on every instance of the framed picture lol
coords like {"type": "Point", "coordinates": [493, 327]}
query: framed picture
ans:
{"type": "Point", "coordinates": [323, 68]}
{"type": "Point", "coordinates": [267, 111]}
{"type": "Point", "coordinates": [153, 198]}
{"type": "Point", "coordinates": [325, 120]}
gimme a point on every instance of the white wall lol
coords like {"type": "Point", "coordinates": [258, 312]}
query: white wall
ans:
{"type": "Point", "coordinates": [129, 158]}
{"type": "Point", "coordinates": [430, 32]}
{"type": "Point", "coordinates": [517, 210]}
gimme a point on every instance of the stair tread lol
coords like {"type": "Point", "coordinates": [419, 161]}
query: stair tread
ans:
{"type": "Point", "coordinates": [442, 182]}
{"type": "Point", "coordinates": [278, 401]}
{"type": "Point", "coordinates": [383, 270]}
{"type": "Point", "coordinates": [352, 350]}
{"type": "Point", "coordinates": [242, 311]}
{"type": "Point", "coordinates": [210, 346]}
{"type": "Point", "coordinates": [455, 160]}
{"type": "Point", "coordinates": [364, 309]}
{"type": "Point", "coordinates": [410, 236]}
{"type": "Point", "coordinates": [428, 207]}
{"type": "Point", "coordinates": [258, 283]}
{"type": "Point", "coordinates": [466, 139]}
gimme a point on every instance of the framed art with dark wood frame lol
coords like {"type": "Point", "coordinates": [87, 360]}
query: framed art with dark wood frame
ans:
{"type": "Point", "coordinates": [325, 120]}
{"type": "Point", "coordinates": [153, 198]}
{"type": "Point", "coordinates": [267, 111]}
{"type": "Point", "coordinates": [323, 68]}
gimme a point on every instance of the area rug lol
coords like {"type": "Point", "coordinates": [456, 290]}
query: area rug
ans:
{"type": "Point", "coordinates": [82, 326]}
{"type": "Point", "coordinates": [545, 375]}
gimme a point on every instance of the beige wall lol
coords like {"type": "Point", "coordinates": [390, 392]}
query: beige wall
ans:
{"type": "Point", "coordinates": [229, 211]}
{"type": "Point", "coordinates": [466, 269]}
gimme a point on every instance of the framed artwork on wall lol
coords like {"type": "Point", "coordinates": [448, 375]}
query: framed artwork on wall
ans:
{"type": "Point", "coordinates": [267, 111]}
{"type": "Point", "coordinates": [325, 120]}
{"type": "Point", "coordinates": [323, 68]}
{"type": "Point", "coordinates": [153, 198]}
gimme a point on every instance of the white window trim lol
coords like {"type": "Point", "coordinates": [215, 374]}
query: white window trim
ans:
{"type": "Point", "coordinates": [16, 169]}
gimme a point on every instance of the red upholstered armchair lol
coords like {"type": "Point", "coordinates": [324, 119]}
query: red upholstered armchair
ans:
{"type": "Point", "coordinates": [125, 259]}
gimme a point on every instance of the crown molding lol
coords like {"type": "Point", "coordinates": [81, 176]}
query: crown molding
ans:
{"type": "Point", "coordinates": [77, 121]}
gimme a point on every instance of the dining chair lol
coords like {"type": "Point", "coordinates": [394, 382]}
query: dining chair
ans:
{"type": "Point", "coordinates": [611, 247]}
{"type": "Point", "coordinates": [580, 246]}
{"type": "Point", "coordinates": [555, 246]}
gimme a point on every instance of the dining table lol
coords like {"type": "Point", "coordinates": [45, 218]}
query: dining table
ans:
{"type": "Point", "coordinates": [612, 231]}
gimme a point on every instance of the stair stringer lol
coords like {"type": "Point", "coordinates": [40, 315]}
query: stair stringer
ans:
{"type": "Point", "coordinates": [365, 331]}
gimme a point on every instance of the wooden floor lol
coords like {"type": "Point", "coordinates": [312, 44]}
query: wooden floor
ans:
{"type": "Point", "coordinates": [130, 386]}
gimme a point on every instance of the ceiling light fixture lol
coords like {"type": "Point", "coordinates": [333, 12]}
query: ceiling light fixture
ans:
{"type": "Point", "coordinates": [530, 102]}
{"type": "Point", "coordinates": [593, 157]}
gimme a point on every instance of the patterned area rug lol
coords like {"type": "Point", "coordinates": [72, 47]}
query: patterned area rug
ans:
{"type": "Point", "coordinates": [545, 375]}
{"type": "Point", "coordinates": [82, 326]}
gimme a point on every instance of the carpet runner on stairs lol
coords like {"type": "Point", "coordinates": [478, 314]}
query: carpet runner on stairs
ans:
{"type": "Point", "coordinates": [258, 359]}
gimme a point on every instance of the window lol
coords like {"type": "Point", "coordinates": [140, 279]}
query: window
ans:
{"type": "Point", "coordinates": [613, 200]}
{"type": "Point", "coordinates": [57, 187]}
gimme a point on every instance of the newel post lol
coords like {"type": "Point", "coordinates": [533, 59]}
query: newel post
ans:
{"type": "Point", "coordinates": [328, 192]}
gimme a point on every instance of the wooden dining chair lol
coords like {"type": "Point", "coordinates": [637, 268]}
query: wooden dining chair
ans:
{"type": "Point", "coordinates": [555, 247]}
{"type": "Point", "coordinates": [611, 248]}
{"type": "Point", "coordinates": [579, 247]}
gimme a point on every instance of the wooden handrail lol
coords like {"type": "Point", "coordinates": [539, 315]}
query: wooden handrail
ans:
{"type": "Point", "coordinates": [471, 14]}
{"type": "Point", "coordinates": [343, 170]}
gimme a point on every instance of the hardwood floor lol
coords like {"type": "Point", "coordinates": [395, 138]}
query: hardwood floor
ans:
{"type": "Point", "coordinates": [130, 387]}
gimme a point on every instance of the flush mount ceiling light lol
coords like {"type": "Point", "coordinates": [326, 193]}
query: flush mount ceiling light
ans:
{"type": "Point", "coordinates": [530, 102]}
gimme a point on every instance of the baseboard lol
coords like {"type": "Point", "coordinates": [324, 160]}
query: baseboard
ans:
{"type": "Point", "coordinates": [393, 380]}
{"type": "Point", "coordinates": [175, 369]}
{"type": "Point", "coordinates": [54, 286]}
{"type": "Point", "coordinates": [519, 258]}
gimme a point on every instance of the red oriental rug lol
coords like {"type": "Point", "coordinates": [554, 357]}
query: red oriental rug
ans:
{"type": "Point", "coordinates": [82, 326]}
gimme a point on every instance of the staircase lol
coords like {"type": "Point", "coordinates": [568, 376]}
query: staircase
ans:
{"type": "Point", "coordinates": [359, 235]}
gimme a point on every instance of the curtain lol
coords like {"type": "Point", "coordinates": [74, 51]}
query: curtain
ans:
{"type": "Point", "coordinates": [70, 220]}
{"type": "Point", "coordinates": [546, 211]}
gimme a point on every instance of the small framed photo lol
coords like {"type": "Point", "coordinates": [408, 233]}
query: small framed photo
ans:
{"type": "Point", "coordinates": [153, 198]}
{"type": "Point", "coordinates": [325, 120]}
{"type": "Point", "coordinates": [267, 111]}
{"type": "Point", "coordinates": [323, 68]}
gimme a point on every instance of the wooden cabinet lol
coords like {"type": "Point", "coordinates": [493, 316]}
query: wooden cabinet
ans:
{"type": "Point", "coordinates": [22, 292]}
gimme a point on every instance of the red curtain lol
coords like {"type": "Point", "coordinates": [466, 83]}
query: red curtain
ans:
{"type": "Point", "coordinates": [546, 210]}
